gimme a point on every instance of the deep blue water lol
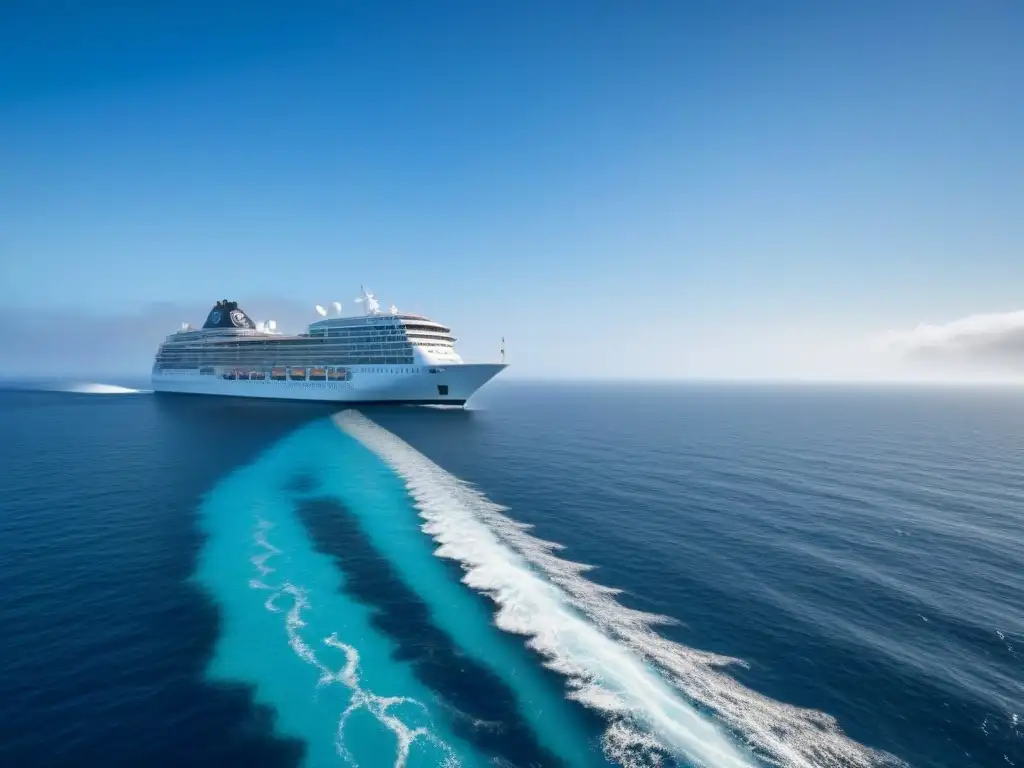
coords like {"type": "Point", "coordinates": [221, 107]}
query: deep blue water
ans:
{"type": "Point", "coordinates": [214, 582]}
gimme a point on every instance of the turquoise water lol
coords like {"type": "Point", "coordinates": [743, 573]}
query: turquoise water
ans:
{"type": "Point", "coordinates": [289, 630]}
{"type": "Point", "coordinates": [312, 653]}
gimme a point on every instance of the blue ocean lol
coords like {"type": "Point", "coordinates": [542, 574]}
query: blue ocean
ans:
{"type": "Point", "coordinates": [562, 574]}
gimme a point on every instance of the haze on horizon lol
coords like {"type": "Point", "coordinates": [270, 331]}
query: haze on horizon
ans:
{"type": "Point", "coordinates": [797, 191]}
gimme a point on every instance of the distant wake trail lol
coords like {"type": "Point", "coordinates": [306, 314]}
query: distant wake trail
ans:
{"type": "Point", "coordinates": [612, 659]}
{"type": "Point", "coordinates": [91, 388]}
{"type": "Point", "coordinates": [76, 387]}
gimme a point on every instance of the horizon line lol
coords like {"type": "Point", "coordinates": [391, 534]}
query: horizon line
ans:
{"type": "Point", "coordinates": [664, 380]}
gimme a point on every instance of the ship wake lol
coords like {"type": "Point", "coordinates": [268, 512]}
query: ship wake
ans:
{"type": "Point", "coordinates": [291, 601]}
{"type": "Point", "coordinates": [74, 387]}
{"type": "Point", "coordinates": [95, 388]}
{"type": "Point", "coordinates": [653, 692]}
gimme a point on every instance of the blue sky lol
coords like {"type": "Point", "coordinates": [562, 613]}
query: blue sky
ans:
{"type": "Point", "coordinates": [663, 189]}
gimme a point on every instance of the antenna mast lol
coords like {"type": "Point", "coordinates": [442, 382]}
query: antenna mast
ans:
{"type": "Point", "coordinates": [370, 304]}
{"type": "Point", "coordinates": [503, 349]}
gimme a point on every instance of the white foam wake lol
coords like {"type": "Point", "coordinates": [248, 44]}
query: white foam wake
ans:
{"type": "Point", "coordinates": [93, 388]}
{"type": "Point", "coordinates": [611, 657]}
{"type": "Point", "coordinates": [380, 707]}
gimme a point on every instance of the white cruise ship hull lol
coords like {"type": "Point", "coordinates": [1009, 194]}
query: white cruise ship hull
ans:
{"type": "Point", "coordinates": [452, 385]}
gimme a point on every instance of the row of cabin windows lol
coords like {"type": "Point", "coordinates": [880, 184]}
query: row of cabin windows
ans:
{"type": "Point", "coordinates": [311, 342]}
{"type": "Point", "coordinates": [305, 342]}
{"type": "Point", "coordinates": [386, 329]}
{"type": "Point", "coordinates": [382, 336]}
{"type": "Point", "coordinates": [299, 355]}
{"type": "Point", "coordinates": [340, 349]}
{"type": "Point", "coordinates": [198, 362]}
{"type": "Point", "coordinates": [320, 346]}
{"type": "Point", "coordinates": [432, 328]}
{"type": "Point", "coordinates": [294, 357]}
{"type": "Point", "coordinates": [355, 370]}
{"type": "Point", "coordinates": [383, 327]}
{"type": "Point", "coordinates": [376, 331]}
{"type": "Point", "coordinates": [185, 362]}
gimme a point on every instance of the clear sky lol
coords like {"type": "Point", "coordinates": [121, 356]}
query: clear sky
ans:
{"type": "Point", "coordinates": [661, 189]}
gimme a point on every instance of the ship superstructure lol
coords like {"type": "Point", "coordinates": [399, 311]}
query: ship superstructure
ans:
{"type": "Point", "coordinates": [376, 356]}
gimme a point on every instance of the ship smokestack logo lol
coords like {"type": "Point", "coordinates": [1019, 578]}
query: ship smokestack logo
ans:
{"type": "Point", "coordinates": [236, 317]}
{"type": "Point", "coordinates": [215, 317]}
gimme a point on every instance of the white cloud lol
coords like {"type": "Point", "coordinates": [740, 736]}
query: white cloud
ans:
{"type": "Point", "coordinates": [984, 343]}
{"type": "Point", "coordinates": [970, 330]}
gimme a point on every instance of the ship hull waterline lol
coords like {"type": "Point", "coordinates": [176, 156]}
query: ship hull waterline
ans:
{"type": "Point", "coordinates": [453, 385]}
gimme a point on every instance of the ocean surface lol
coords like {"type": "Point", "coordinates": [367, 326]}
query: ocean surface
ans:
{"type": "Point", "coordinates": [561, 575]}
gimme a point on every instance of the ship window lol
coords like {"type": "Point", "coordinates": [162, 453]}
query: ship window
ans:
{"type": "Point", "coordinates": [442, 389]}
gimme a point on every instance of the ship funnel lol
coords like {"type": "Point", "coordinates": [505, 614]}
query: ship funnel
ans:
{"type": "Point", "coordinates": [272, 325]}
{"type": "Point", "coordinates": [337, 307]}
{"type": "Point", "coordinates": [321, 311]}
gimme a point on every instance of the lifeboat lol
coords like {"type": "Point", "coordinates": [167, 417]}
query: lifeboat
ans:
{"type": "Point", "coordinates": [317, 374]}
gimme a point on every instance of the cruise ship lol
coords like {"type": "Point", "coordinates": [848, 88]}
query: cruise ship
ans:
{"type": "Point", "coordinates": [374, 357]}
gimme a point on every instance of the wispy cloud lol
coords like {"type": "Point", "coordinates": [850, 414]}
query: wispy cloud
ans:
{"type": "Point", "coordinates": [984, 343]}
